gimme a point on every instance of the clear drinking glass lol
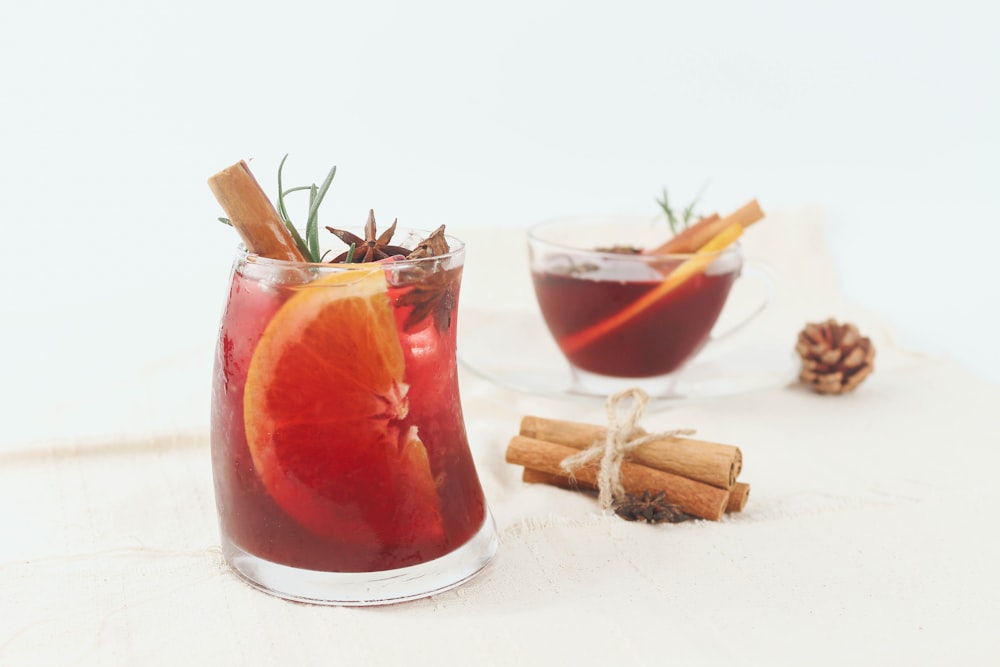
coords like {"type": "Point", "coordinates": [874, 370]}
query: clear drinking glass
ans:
{"type": "Point", "coordinates": [342, 470]}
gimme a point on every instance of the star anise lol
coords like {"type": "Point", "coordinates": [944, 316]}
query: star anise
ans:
{"type": "Point", "coordinates": [433, 289]}
{"type": "Point", "coordinates": [371, 248]}
{"type": "Point", "coordinates": [432, 246]}
{"type": "Point", "coordinates": [650, 508]}
{"type": "Point", "coordinates": [432, 294]}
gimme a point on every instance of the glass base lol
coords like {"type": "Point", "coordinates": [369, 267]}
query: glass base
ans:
{"type": "Point", "coordinates": [606, 385]}
{"type": "Point", "coordinates": [367, 588]}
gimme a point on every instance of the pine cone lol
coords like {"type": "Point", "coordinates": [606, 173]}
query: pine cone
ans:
{"type": "Point", "coordinates": [835, 357]}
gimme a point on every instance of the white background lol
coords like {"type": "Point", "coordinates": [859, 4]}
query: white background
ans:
{"type": "Point", "coordinates": [883, 114]}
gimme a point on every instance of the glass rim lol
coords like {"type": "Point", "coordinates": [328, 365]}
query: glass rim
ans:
{"type": "Point", "coordinates": [455, 244]}
{"type": "Point", "coordinates": [609, 221]}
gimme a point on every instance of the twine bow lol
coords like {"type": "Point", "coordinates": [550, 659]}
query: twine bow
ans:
{"type": "Point", "coordinates": [623, 434]}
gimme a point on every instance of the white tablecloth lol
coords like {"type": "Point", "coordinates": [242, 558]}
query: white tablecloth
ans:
{"type": "Point", "coordinates": [867, 538]}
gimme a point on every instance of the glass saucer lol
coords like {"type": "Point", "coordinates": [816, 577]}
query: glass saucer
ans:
{"type": "Point", "coordinates": [513, 349]}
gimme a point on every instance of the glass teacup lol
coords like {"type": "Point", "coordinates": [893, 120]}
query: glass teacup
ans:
{"type": "Point", "coordinates": [622, 316]}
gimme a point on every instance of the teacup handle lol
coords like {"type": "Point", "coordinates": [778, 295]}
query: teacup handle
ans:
{"type": "Point", "coordinates": [763, 273]}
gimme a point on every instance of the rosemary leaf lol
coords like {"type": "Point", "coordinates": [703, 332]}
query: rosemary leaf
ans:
{"type": "Point", "coordinates": [316, 196]}
{"type": "Point", "coordinates": [312, 223]}
{"type": "Point", "coordinates": [300, 242]}
{"type": "Point", "coordinates": [314, 206]}
{"type": "Point", "coordinates": [689, 211]}
{"type": "Point", "coordinates": [282, 211]}
{"type": "Point", "coordinates": [226, 221]}
{"type": "Point", "coordinates": [671, 216]}
{"type": "Point", "coordinates": [283, 214]}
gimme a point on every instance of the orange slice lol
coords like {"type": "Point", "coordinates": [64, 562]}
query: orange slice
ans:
{"type": "Point", "coordinates": [325, 410]}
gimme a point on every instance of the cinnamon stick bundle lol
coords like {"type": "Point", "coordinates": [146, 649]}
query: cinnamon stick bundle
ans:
{"type": "Point", "coordinates": [698, 475]}
{"type": "Point", "coordinates": [708, 462]}
{"type": "Point", "coordinates": [696, 498]}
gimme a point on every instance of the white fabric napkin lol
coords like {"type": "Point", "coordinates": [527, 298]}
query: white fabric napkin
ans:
{"type": "Point", "coordinates": [866, 539]}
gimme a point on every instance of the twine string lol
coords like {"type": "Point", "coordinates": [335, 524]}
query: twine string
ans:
{"type": "Point", "coordinates": [623, 434]}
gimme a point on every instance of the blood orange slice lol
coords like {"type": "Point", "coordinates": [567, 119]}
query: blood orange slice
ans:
{"type": "Point", "coordinates": [325, 410]}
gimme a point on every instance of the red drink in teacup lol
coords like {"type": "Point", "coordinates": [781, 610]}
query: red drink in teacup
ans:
{"type": "Point", "coordinates": [655, 342]}
{"type": "Point", "coordinates": [622, 313]}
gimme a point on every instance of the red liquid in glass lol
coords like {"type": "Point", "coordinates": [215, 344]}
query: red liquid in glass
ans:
{"type": "Point", "coordinates": [656, 342]}
{"type": "Point", "coordinates": [254, 521]}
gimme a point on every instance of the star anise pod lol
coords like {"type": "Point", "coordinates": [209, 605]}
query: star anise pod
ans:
{"type": "Point", "coordinates": [371, 248]}
{"type": "Point", "coordinates": [432, 246]}
{"type": "Point", "coordinates": [650, 508]}
{"type": "Point", "coordinates": [432, 294]}
{"type": "Point", "coordinates": [433, 289]}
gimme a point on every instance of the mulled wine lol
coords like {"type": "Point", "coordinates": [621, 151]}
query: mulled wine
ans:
{"type": "Point", "coordinates": [655, 342]}
{"type": "Point", "coordinates": [342, 470]}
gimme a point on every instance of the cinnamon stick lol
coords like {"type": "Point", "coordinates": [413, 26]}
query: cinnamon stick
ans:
{"type": "Point", "coordinates": [695, 498]}
{"type": "Point", "coordinates": [738, 495]}
{"type": "Point", "coordinates": [709, 462]}
{"type": "Point", "coordinates": [694, 238]}
{"type": "Point", "coordinates": [532, 476]}
{"type": "Point", "coordinates": [252, 214]}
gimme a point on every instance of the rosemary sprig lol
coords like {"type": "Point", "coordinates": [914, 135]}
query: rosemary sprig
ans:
{"type": "Point", "coordinates": [688, 214]}
{"type": "Point", "coordinates": [669, 211]}
{"type": "Point", "coordinates": [309, 246]}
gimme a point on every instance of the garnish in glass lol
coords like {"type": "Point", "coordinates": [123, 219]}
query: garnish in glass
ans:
{"type": "Point", "coordinates": [682, 221]}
